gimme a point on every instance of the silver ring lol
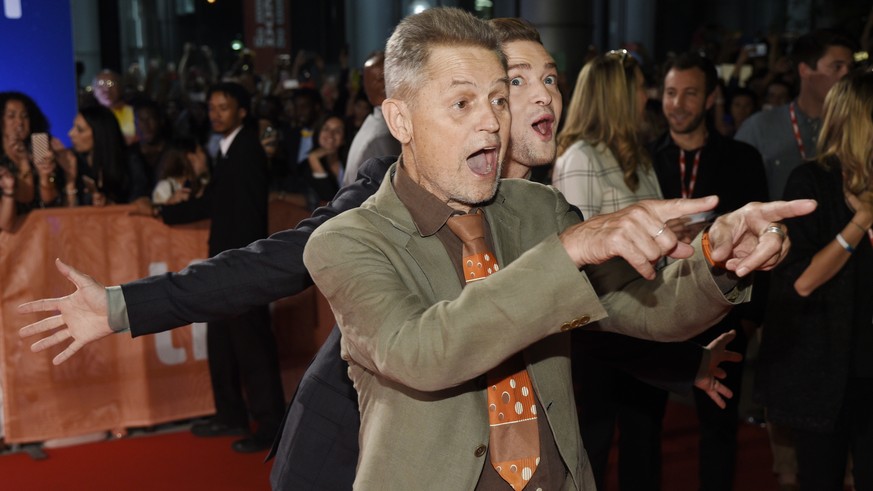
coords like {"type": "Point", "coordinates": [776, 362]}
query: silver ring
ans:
{"type": "Point", "coordinates": [775, 229]}
{"type": "Point", "coordinates": [660, 231]}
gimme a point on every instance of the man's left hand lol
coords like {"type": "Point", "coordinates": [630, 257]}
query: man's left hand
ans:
{"type": "Point", "coordinates": [710, 382]}
{"type": "Point", "coordinates": [752, 238]}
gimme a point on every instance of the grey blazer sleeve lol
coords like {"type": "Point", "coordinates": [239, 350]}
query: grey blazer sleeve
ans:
{"type": "Point", "coordinates": [237, 280]}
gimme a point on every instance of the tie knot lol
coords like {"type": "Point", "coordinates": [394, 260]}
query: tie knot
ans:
{"type": "Point", "coordinates": [467, 227]}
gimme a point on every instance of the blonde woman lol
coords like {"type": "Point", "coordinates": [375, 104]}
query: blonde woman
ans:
{"type": "Point", "coordinates": [602, 167]}
{"type": "Point", "coordinates": [815, 371]}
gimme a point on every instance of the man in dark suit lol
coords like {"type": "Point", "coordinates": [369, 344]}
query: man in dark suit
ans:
{"type": "Point", "coordinates": [241, 349]}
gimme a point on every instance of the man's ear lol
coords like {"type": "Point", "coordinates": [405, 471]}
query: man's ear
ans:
{"type": "Point", "coordinates": [396, 114]}
{"type": "Point", "coordinates": [804, 70]}
{"type": "Point", "coordinates": [710, 99]}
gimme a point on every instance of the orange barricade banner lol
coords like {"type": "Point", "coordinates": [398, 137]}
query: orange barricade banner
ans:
{"type": "Point", "coordinates": [116, 382]}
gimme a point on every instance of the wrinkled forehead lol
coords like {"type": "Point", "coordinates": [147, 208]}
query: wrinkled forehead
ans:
{"type": "Point", "coordinates": [524, 52]}
{"type": "Point", "coordinates": [444, 58]}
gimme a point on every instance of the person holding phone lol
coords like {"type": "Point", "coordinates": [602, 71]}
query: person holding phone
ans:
{"type": "Point", "coordinates": [186, 173]}
{"type": "Point", "coordinates": [29, 179]}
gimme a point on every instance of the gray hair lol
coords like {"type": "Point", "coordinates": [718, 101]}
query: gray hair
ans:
{"type": "Point", "coordinates": [408, 49]}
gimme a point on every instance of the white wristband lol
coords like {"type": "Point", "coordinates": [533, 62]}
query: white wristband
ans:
{"type": "Point", "coordinates": [845, 244]}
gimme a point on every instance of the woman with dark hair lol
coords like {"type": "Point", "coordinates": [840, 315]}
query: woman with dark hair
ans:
{"type": "Point", "coordinates": [324, 165]}
{"type": "Point", "coordinates": [102, 171]}
{"type": "Point", "coordinates": [26, 184]}
{"type": "Point", "coordinates": [185, 174]}
{"type": "Point", "coordinates": [153, 133]}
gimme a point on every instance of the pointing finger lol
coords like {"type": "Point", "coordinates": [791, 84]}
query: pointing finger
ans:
{"type": "Point", "coordinates": [666, 210]}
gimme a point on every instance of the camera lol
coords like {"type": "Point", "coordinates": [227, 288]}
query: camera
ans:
{"type": "Point", "coordinates": [756, 50]}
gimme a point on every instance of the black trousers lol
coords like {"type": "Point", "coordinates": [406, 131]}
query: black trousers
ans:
{"type": "Point", "coordinates": [243, 360]}
{"type": "Point", "coordinates": [821, 457]}
{"type": "Point", "coordinates": [718, 427]}
{"type": "Point", "coordinates": [607, 399]}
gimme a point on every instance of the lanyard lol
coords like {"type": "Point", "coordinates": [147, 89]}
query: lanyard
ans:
{"type": "Point", "coordinates": [687, 192]}
{"type": "Point", "coordinates": [796, 128]}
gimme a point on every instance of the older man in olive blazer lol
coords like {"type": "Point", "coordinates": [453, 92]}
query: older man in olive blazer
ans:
{"type": "Point", "coordinates": [418, 344]}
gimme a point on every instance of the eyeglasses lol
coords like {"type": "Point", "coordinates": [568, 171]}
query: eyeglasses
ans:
{"type": "Point", "coordinates": [106, 83]}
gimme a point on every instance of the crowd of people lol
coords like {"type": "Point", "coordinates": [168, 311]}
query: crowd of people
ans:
{"type": "Point", "coordinates": [417, 344]}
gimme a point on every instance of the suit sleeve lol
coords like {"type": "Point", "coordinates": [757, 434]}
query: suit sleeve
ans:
{"type": "Point", "coordinates": [681, 302]}
{"type": "Point", "coordinates": [669, 366]}
{"type": "Point", "coordinates": [237, 280]}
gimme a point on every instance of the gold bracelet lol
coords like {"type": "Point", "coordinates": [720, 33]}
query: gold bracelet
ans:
{"type": "Point", "coordinates": [860, 227]}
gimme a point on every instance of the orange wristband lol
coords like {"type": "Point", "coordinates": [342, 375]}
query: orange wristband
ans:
{"type": "Point", "coordinates": [705, 245]}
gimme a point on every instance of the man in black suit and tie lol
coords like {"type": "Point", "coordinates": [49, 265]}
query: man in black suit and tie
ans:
{"type": "Point", "coordinates": [241, 349]}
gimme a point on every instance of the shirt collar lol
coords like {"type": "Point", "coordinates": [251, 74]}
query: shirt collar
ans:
{"type": "Point", "coordinates": [225, 142]}
{"type": "Point", "coordinates": [429, 214]}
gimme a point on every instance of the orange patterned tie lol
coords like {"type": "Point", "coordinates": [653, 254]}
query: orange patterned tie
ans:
{"type": "Point", "coordinates": [512, 413]}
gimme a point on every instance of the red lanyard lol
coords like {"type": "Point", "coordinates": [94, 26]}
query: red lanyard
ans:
{"type": "Point", "coordinates": [796, 128]}
{"type": "Point", "coordinates": [687, 192]}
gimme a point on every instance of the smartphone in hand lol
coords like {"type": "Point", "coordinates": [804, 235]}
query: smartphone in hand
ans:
{"type": "Point", "coordinates": [39, 144]}
{"type": "Point", "coordinates": [90, 184]}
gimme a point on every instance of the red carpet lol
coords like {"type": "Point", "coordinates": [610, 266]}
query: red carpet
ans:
{"type": "Point", "coordinates": [177, 460]}
{"type": "Point", "coordinates": [679, 453]}
{"type": "Point", "coordinates": [166, 461]}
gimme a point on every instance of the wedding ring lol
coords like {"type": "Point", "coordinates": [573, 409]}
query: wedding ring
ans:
{"type": "Point", "coordinates": [775, 229]}
{"type": "Point", "coordinates": [660, 231]}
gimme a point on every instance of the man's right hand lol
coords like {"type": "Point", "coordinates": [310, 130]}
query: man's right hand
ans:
{"type": "Point", "coordinates": [638, 233]}
{"type": "Point", "coordinates": [84, 312]}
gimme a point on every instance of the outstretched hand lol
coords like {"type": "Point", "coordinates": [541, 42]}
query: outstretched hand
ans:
{"type": "Point", "coordinates": [718, 353]}
{"type": "Point", "coordinates": [639, 233]}
{"type": "Point", "coordinates": [84, 312]}
{"type": "Point", "coordinates": [747, 239]}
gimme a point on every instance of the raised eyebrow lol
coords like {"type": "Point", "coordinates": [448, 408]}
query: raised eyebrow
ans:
{"type": "Point", "coordinates": [457, 81]}
{"type": "Point", "coordinates": [519, 66]}
{"type": "Point", "coordinates": [499, 84]}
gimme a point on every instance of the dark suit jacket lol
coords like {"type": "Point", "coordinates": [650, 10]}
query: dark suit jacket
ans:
{"type": "Point", "coordinates": [235, 199]}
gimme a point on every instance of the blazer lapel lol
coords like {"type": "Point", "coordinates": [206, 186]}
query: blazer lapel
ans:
{"type": "Point", "coordinates": [428, 252]}
{"type": "Point", "coordinates": [505, 231]}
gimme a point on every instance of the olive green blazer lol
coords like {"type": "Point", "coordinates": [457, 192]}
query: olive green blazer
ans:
{"type": "Point", "coordinates": [418, 344]}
